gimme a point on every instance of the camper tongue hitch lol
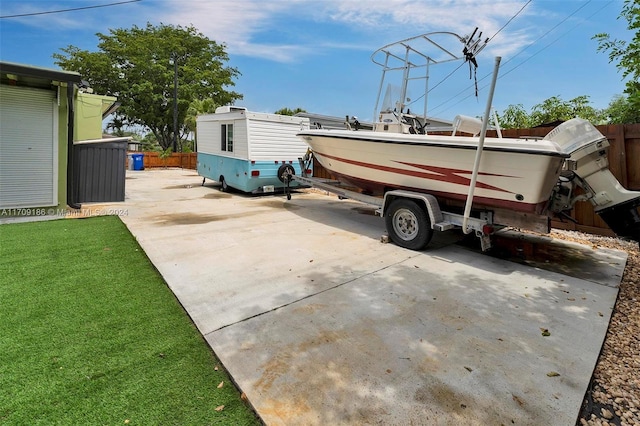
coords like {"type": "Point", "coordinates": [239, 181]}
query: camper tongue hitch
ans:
{"type": "Point", "coordinates": [587, 147]}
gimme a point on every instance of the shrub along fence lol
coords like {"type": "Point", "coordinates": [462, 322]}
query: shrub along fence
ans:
{"type": "Point", "coordinates": [624, 163]}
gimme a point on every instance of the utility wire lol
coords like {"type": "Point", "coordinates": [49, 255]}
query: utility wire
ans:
{"type": "Point", "coordinates": [509, 21]}
{"type": "Point", "coordinates": [558, 38]}
{"type": "Point", "coordinates": [460, 66]}
{"type": "Point", "coordinates": [68, 10]}
{"type": "Point", "coordinates": [521, 51]}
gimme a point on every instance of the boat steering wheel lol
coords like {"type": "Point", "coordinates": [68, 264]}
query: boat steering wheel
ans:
{"type": "Point", "coordinates": [417, 127]}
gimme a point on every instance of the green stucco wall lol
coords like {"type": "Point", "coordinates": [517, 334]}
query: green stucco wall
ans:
{"type": "Point", "coordinates": [63, 114]}
{"type": "Point", "coordinates": [88, 118]}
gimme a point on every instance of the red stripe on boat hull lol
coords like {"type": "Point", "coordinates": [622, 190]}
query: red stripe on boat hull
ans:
{"type": "Point", "coordinates": [440, 174]}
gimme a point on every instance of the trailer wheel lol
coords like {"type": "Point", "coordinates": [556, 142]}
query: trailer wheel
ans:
{"type": "Point", "coordinates": [408, 224]}
{"type": "Point", "coordinates": [223, 184]}
{"type": "Point", "coordinates": [285, 171]}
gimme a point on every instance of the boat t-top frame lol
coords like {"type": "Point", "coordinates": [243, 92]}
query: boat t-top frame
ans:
{"type": "Point", "coordinates": [419, 53]}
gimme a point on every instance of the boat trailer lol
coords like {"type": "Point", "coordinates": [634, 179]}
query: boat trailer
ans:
{"type": "Point", "coordinates": [410, 217]}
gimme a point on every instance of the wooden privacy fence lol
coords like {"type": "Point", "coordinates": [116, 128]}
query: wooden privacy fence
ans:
{"type": "Point", "coordinates": [624, 163]}
{"type": "Point", "coordinates": [177, 159]}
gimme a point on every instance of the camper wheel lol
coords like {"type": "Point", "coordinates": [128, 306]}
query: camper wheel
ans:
{"type": "Point", "coordinates": [408, 224]}
{"type": "Point", "coordinates": [223, 184]}
{"type": "Point", "coordinates": [285, 172]}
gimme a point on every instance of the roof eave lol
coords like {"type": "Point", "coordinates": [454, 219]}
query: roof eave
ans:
{"type": "Point", "coordinates": [37, 72]}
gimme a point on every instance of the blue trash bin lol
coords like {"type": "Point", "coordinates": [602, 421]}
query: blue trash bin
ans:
{"type": "Point", "coordinates": [138, 161]}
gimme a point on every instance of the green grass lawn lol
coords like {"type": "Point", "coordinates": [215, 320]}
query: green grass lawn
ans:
{"type": "Point", "coordinates": [90, 334]}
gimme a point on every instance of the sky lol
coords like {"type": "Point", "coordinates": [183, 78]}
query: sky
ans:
{"type": "Point", "coordinates": [316, 54]}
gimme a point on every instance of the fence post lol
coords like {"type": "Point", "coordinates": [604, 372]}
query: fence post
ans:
{"type": "Point", "coordinates": [615, 133]}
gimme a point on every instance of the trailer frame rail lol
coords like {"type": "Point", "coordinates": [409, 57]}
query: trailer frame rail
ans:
{"type": "Point", "coordinates": [438, 219]}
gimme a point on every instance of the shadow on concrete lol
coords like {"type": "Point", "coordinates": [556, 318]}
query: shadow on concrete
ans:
{"type": "Point", "coordinates": [414, 343]}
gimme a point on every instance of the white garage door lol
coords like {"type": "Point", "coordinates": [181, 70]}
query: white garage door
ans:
{"type": "Point", "coordinates": [28, 147]}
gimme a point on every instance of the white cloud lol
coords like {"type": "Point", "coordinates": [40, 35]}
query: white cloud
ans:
{"type": "Point", "coordinates": [244, 25]}
{"type": "Point", "coordinates": [235, 23]}
{"type": "Point", "coordinates": [35, 17]}
{"type": "Point", "coordinates": [241, 23]}
{"type": "Point", "coordinates": [460, 16]}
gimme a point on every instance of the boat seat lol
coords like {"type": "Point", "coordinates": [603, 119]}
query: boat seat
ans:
{"type": "Point", "coordinates": [464, 123]}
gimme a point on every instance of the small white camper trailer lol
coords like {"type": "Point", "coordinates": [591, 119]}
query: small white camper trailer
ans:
{"type": "Point", "coordinates": [247, 150]}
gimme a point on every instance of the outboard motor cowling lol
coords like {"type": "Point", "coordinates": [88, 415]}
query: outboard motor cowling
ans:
{"type": "Point", "coordinates": [587, 147]}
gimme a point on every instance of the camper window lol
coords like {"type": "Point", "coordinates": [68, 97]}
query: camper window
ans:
{"type": "Point", "coordinates": [226, 137]}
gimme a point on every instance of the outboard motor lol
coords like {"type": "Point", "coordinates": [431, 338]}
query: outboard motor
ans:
{"type": "Point", "coordinates": [588, 168]}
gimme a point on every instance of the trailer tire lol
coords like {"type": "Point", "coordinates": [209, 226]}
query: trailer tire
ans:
{"type": "Point", "coordinates": [408, 224]}
{"type": "Point", "coordinates": [285, 171]}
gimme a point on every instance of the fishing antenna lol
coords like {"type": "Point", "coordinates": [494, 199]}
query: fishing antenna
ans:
{"type": "Point", "coordinates": [473, 46]}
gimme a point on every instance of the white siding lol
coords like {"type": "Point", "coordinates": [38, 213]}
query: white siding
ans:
{"type": "Point", "coordinates": [28, 147]}
{"type": "Point", "coordinates": [240, 141]}
{"type": "Point", "coordinates": [275, 140]}
{"type": "Point", "coordinates": [209, 135]}
{"type": "Point", "coordinates": [257, 136]}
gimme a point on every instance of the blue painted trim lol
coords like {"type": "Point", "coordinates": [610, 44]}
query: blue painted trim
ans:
{"type": "Point", "coordinates": [237, 172]}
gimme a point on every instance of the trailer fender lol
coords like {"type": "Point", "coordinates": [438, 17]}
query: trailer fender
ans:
{"type": "Point", "coordinates": [428, 201]}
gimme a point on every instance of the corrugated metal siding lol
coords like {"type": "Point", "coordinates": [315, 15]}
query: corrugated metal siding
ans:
{"type": "Point", "coordinates": [99, 171]}
{"type": "Point", "coordinates": [28, 147]}
{"type": "Point", "coordinates": [275, 140]}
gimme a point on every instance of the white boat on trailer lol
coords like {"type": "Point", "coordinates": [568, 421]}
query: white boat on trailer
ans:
{"type": "Point", "coordinates": [514, 174]}
{"type": "Point", "coordinates": [421, 182]}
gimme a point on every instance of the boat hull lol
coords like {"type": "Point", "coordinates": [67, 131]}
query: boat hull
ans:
{"type": "Point", "coordinates": [517, 175]}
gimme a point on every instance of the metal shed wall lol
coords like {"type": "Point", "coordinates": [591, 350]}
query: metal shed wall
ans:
{"type": "Point", "coordinates": [99, 171]}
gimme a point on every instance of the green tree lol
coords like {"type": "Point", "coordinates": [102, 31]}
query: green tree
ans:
{"type": "Point", "coordinates": [136, 65]}
{"type": "Point", "coordinates": [198, 107]}
{"type": "Point", "coordinates": [557, 109]}
{"type": "Point", "coordinates": [626, 52]}
{"type": "Point", "coordinates": [116, 126]}
{"type": "Point", "coordinates": [514, 117]}
{"type": "Point", "coordinates": [620, 111]}
{"type": "Point", "coordinates": [149, 143]}
{"type": "Point", "coordinates": [288, 111]}
{"type": "Point", "coordinates": [548, 111]}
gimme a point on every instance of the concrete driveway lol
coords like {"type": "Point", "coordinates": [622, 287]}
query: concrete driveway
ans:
{"type": "Point", "coordinates": [318, 322]}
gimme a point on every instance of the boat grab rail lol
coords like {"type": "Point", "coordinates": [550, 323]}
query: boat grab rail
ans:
{"type": "Point", "coordinates": [476, 165]}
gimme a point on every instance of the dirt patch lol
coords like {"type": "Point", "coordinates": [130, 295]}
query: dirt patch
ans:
{"type": "Point", "coordinates": [217, 195]}
{"type": "Point", "coordinates": [179, 187]}
{"type": "Point", "coordinates": [365, 210]}
{"type": "Point", "coordinates": [199, 219]}
{"type": "Point", "coordinates": [278, 204]}
{"type": "Point", "coordinates": [443, 395]}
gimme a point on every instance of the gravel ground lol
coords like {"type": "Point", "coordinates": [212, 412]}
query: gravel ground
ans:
{"type": "Point", "coordinates": [613, 397]}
